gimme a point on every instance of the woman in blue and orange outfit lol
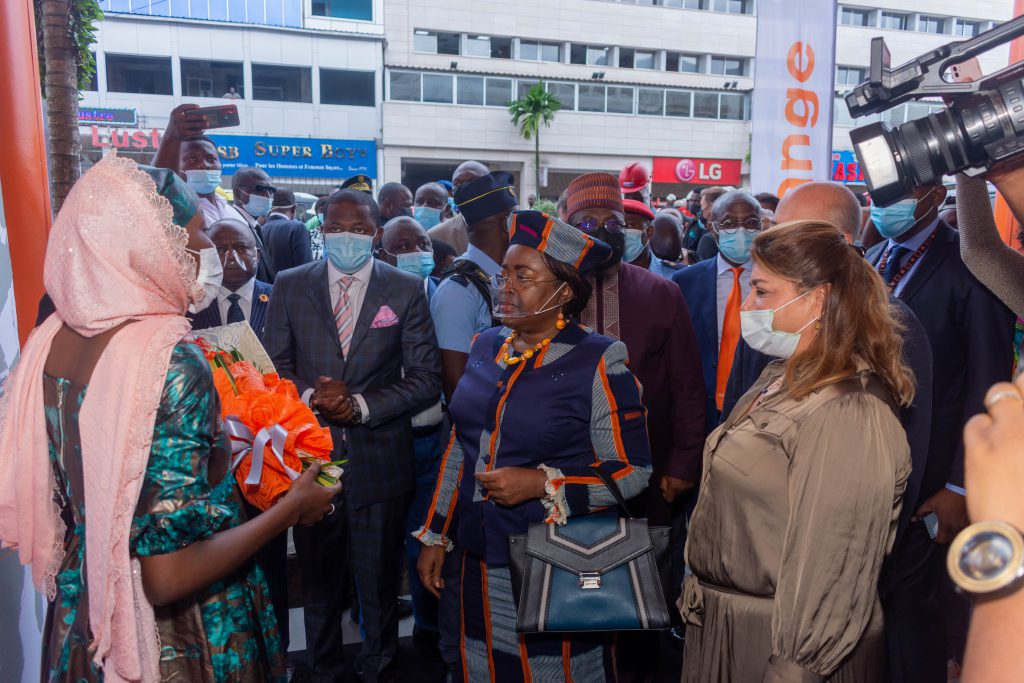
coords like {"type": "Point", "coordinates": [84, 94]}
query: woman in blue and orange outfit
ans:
{"type": "Point", "coordinates": [543, 400]}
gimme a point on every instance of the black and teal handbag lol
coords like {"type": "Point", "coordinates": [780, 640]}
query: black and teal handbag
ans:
{"type": "Point", "coordinates": [594, 573]}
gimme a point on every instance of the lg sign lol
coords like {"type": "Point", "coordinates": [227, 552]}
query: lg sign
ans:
{"type": "Point", "coordinates": [697, 171]}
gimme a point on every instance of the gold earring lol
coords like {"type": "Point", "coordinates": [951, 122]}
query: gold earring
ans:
{"type": "Point", "coordinates": [560, 324]}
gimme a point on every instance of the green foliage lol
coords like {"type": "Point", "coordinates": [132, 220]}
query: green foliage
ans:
{"type": "Point", "coordinates": [536, 108]}
{"type": "Point", "coordinates": [547, 206]}
{"type": "Point", "coordinates": [82, 18]}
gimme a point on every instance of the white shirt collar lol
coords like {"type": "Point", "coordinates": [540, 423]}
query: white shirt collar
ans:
{"type": "Point", "coordinates": [245, 292]}
{"type": "Point", "coordinates": [726, 267]}
{"type": "Point", "coordinates": [362, 275]}
{"type": "Point", "coordinates": [278, 213]}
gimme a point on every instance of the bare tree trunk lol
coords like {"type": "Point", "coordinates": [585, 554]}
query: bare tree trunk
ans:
{"type": "Point", "coordinates": [65, 144]}
{"type": "Point", "coordinates": [536, 158]}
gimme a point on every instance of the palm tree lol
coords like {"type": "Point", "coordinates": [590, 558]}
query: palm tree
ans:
{"type": "Point", "coordinates": [65, 30]}
{"type": "Point", "coordinates": [535, 109]}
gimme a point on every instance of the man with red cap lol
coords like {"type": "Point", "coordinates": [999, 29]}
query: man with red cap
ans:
{"type": "Point", "coordinates": [635, 183]}
{"type": "Point", "coordinates": [650, 316]}
{"type": "Point", "coordinates": [640, 228]}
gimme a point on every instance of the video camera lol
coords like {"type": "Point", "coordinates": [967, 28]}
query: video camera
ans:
{"type": "Point", "coordinates": [983, 122]}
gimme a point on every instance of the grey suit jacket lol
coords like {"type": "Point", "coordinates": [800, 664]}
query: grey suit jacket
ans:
{"type": "Point", "coordinates": [302, 340]}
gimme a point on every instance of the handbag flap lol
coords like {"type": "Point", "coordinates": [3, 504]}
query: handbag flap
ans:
{"type": "Point", "coordinates": [590, 544]}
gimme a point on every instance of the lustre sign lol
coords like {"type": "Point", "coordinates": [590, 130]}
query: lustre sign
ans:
{"type": "Point", "coordinates": [107, 116]}
{"type": "Point", "coordinates": [125, 138]}
{"type": "Point", "coordinates": [298, 157]}
{"type": "Point", "coordinates": [697, 171]}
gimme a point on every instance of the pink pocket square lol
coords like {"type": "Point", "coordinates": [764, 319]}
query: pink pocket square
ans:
{"type": "Point", "coordinates": [385, 318]}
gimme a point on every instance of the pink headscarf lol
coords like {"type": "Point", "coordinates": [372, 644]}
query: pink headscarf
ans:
{"type": "Point", "coordinates": [114, 256]}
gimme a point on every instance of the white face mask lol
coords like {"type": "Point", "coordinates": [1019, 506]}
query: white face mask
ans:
{"type": "Point", "coordinates": [211, 274]}
{"type": "Point", "coordinates": [758, 331]}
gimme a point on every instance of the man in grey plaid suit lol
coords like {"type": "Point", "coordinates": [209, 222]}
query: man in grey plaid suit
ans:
{"type": "Point", "coordinates": [355, 335]}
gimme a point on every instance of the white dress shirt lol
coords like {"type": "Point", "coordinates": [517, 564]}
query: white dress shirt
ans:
{"type": "Point", "coordinates": [356, 296]}
{"type": "Point", "coordinates": [723, 287]}
{"type": "Point", "coordinates": [245, 296]}
{"type": "Point", "coordinates": [218, 209]}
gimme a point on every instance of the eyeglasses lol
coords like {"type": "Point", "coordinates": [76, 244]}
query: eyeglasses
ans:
{"type": "Point", "coordinates": [729, 226]}
{"type": "Point", "coordinates": [516, 281]}
{"type": "Point", "coordinates": [259, 189]}
{"type": "Point", "coordinates": [592, 225]}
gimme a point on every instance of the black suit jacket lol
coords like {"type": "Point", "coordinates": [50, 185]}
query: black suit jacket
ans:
{"type": "Point", "coordinates": [396, 369]}
{"type": "Point", "coordinates": [287, 241]}
{"type": "Point", "coordinates": [210, 316]}
{"type": "Point", "coordinates": [971, 337]}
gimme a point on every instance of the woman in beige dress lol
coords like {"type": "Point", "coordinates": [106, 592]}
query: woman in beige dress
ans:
{"type": "Point", "coordinates": [803, 483]}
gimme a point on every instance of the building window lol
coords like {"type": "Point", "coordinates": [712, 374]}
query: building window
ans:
{"type": "Point", "coordinates": [343, 9]}
{"type": "Point", "coordinates": [677, 103]}
{"type": "Point", "coordinates": [705, 105]}
{"type": "Point", "coordinates": [350, 88]}
{"type": "Point", "coordinates": [438, 88]}
{"type": "Point", "coordinates": [405, 86]}
{"type": "Point", "coordinates": [931, 24]}
{"type": "Point", "coordinates": [142, 75]}
{"type": "Point", "coordinates": [734, 6]}
{"type": "Point", "coordinates": [594, 55]}
{"type": "Point", "coordinates": [523, 87]}
{"type": "Point", "coordinates": [650, 102]}
{"type": "Point", "coordinates": [731, 106]}
{"type": "Point", "coordinates": [281, 83]}
{"type": "Point", "coordinates": [678, 61]}
{"type": "Point", "coordinates": [435, 42]}
{"type": "Point", "coordinates": [498, 92]}
{"type": "Point", "coordinates": [851, 16]}
{"type": "Point", "coordinates": [536, 51]}
{"type": "Point", "coordinates": [894, 21]}
{"type": "Point", "coordinates": [591, 98]}
{"type": "Point", "coordinates": [727, 66]}
{"type": "Point", "coordinates": [565, 93]}
{"type": "Point", "coordinates": [471, 90]}
{"type": "Point", "coordinates": [201, 78]}
{"type": "Point", "coordinates": [620, 100]}
{"type": "Point", "coordinates": [486, 46]}
{"type": "Point", "coordinates": [966, 29]}
{"type": "Point", "coordinates": [850, 75]}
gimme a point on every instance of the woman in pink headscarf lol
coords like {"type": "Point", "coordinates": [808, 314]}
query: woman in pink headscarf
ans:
{"type": "Point", "coordinates": [113, 462]}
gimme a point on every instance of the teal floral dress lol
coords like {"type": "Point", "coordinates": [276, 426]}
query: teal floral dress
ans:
{"type": "Point", "coordinates": [226, 632]}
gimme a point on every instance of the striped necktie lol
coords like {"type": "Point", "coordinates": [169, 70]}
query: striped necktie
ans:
{"type": "Point", "coordinates": [343, 317]}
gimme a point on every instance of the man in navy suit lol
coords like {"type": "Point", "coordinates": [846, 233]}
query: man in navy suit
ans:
{"type": "Point", "coordinates": [355, 335]}
{"type": "Point", "coordinates": [971, 335]}
{"type": "Point", "coordinates": [286, 239]}
{"type": "Point", "coordinates": [241, 296]}
{"type": "Point", "coordinates": [713, 287]}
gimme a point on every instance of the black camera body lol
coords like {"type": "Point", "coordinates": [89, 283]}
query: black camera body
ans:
{"type": "Point", "coordinates": [982, 124]}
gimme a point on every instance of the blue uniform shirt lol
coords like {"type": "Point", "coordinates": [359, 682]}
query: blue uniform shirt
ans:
{"type": "Point", "coordinates": [459, 312]}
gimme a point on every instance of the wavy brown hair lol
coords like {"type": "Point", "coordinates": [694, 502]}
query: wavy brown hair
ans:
{"type": "Point", "coordinates": [858, 324]}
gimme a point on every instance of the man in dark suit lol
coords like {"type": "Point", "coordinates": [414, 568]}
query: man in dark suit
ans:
{"type": "Point", "coordinates": [355, 336]}
{"type": "Point", "coordinates": [241, 296]}
{"type": "Point", "coordinates": [715, 289]}
{"type": "Point", "coordinates": [286, 239]}
{"type": "Point", "coordinates": [253, 197]}
{"type": "Point", "coordinates": [971, 335]}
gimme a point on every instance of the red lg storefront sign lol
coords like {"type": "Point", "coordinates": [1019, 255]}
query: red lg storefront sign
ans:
{"type": "Point", "coordinates": [697, 171]}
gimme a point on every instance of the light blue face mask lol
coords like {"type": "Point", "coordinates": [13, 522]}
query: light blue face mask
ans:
{"type": "Point", "coordinates": [419, 263]}
{"type": "Point", "coordinates": [426, 216]}
{"type": "Point", "coordinates": [894, 220]}
{"type": "Point", "coordinates": [257, 205]}
{"type": "Point", "coordinates": [735, 245]}
{"type": "Point", "coordinates": [203, 181]}
{"type": "Point", "coordinates": [451, 203]}
{"type": "Point", "coordinates": [348, 251]}
{"type": "Point", "coordinates": [634, 245]}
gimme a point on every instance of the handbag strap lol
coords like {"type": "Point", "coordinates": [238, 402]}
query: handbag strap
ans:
{"type": "Point", "coordinates": [614, 488]}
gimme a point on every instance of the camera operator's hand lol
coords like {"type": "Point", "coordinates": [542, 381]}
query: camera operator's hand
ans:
{"type": "Point", "coordinates": [994, 457]}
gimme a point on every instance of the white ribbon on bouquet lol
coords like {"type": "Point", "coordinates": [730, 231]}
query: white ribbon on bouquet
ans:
{"type": "Point", "coordinates": [243, 441]}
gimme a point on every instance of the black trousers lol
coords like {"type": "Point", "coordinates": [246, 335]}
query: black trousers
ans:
{"type": "Point", "coordinates": [272, 558]}
{"type": "Point", "coordinates": [915, 623]}
{"type": "Point", "coordinates": [367, 544]}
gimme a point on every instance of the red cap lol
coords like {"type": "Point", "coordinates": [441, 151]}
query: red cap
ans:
{"type": "Point", "coordinates": [633, 178]}
{"type": "Point", "coordinates": [638, 208]}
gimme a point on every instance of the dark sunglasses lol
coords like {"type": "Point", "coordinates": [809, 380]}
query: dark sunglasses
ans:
{"type": "Point", "coordinates": [592, 225]}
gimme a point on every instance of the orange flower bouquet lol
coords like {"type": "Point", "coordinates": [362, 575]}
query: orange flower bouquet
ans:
{"type": "Point", "coordinates": [274, 435]}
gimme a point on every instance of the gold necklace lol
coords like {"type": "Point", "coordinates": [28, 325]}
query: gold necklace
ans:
{"type": "Point", "coordinates": [527, 354]}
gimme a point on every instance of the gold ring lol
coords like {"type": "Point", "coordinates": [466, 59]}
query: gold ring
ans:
{"type": "Point", "coordinates": [1000, 395]}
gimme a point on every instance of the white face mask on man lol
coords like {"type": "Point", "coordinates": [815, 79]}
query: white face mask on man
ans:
{"type": "Point", "coordinates": [757, 328]}
{"type": "Point", "coordinates": [210, 277]}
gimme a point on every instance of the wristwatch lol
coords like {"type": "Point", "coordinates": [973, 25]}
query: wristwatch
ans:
{"type": "Point", "coordinates": [357, 413]}
{"type": "Point", "coordinates": [987, 559]}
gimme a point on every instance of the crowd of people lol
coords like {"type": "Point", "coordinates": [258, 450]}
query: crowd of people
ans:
{"type": "Point", "coordinates": [784, 384]}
